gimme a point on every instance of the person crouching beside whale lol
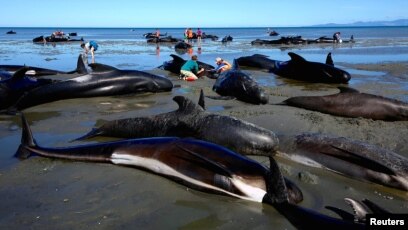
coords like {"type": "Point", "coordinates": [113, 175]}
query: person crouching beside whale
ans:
{"type": "Point", "coordinates": [90, 46]}
{"type": "Point", "coordinates": [222, 66]}
{"type": "Point", "coordinates": [189, 70]}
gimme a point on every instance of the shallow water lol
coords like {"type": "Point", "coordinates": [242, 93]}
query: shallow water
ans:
{"type": "Point", "coordinates": [40, 193]}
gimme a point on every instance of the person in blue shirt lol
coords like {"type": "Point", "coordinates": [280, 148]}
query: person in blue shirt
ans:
{"type": "Point", "coordinates": [222, 65]}
{"type": "Point", "coordinates": [189, 70]}
{"type": "Point", "coordinates": [90, 46]}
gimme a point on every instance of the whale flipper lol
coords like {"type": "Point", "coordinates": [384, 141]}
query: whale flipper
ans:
{"type": "Point", "coordinates": [360, 160]}
{"type": "Point", "coordinates": [207, 163]}
{"type": "Point", "coordinates": [93, 133]}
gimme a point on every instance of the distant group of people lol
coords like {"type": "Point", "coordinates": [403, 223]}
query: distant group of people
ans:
{"type": "Point", "coordinates": [189, 35]}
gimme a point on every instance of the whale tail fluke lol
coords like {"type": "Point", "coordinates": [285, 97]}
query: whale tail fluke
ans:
{"type": "Point", "coordinates": [27, 140]}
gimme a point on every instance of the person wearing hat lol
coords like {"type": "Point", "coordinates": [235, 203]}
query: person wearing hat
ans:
{"type": "Point", "coordinates": [222, 65]}
{"type": "Point", "coordinates": [189, 70]}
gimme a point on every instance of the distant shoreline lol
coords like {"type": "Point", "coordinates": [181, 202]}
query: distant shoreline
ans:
{"type": "Point", "coordinates": [153, 28]}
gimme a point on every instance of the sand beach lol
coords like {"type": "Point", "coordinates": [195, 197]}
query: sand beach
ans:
{"type": "Point", "coordinates": [40, 193]}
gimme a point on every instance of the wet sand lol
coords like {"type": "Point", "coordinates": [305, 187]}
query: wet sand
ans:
{"type": "Point", "coordinates": [40, 193]}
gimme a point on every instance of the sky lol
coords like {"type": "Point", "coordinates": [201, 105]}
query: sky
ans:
{"type": "Point", "coordinates": [194, 13]}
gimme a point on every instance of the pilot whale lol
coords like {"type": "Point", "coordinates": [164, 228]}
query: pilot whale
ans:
{"type": "Point", "coordinates": [190, 120]}
{"type": "Point", "coordinates": [240, 85]}
{"type": "Point", "coordinates": [197, 164]}
{"type": "Point", "coordinates": [352, 103]}
{"type": "Point", "coordinates": [298, 68]}
{"type": "Point", "coordinates": [104, 80]}
{"type": "Point", "coordinates": [33, 71]}
{"type": "Point", "coordinates": [351, 158]}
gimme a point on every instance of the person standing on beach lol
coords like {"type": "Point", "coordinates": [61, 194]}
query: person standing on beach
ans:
{"type": "Point", "coordinates": [186, 35]}
{"type": "Point", "coordinates": [189, 70]}
{"type": "Point", "coordinates": [190, 35]}
{"type": "Point", "coordinates": [199, 33]}
{"type": "Point", "coordinates": [90, 46]}
{"type": "Point", "coordinates": [157, 35]}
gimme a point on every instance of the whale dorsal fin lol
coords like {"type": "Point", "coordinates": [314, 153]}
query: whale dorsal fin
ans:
{"type": "Point", "coordinates": [374, 207]}
{"type": "Point", "coordinates": [81, 68]}
{"type": "Point", "coordinates": [201, 100]}
{"type": "Point", "coordinates": [347, 90]}
{"type": "Point", "coordinates": [177, 58]}
{"type": "Point", "coordinates": [329, 60]}
{"type": "Point", "coordinates": [96, 67]}
{"type": "Point", "coordinates": [20, 74]}
{"type": "Point", "coordinates": [275, 184]}
{"type": "Point", "coordinates": [343, 214]}
{"type": "Point", "coordinates": [186, 105]}
{"type": "Point", "coordinates": [235, 66]}
{"type": "Point", "coordinates": [296, 58]}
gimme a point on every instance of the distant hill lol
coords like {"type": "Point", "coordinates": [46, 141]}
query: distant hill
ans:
{"type": "Point", "coordinates": [399, 22]}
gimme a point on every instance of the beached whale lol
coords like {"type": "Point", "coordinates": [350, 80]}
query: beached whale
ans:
{"type": "Point", "coordinates": [153, 35]}
{"type": "Point", "coordinates": [103, 81]}
{"type": "Point", "coordinates": [240, 85]}
{"type": "Point", "coordinates": [197, 164]}
{"type": "Point", "coordinates": [289, 40]}
{"type": "Point", "coordinates": [167, 39]}
{"type": "Point", "coordinates": [182, 45]}
{"type": "Point", "coordinates": [12, 87]}
{"type": "Point", "coordinates": [42, 39]}
{"type": "Point", "coordinates": [227, 38]}
{"type": "Point", "coordinates": [351, 158]}
{"type": "Point", "coordinates": [351, 103]}
{"type": "Point", "coordinates": [325, 39]}
{"type": "Point", "coordinates": [298, 68]}
{"type": "Point", "coordinates": [34, 71]}
{"type": "Point", "coordinates": [190, 120]}
{"type": "Point", "coordinates": [175, 65]}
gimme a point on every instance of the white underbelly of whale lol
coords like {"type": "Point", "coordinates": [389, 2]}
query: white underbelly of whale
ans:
{"type": "Point", "coordinates": [251, 193]}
